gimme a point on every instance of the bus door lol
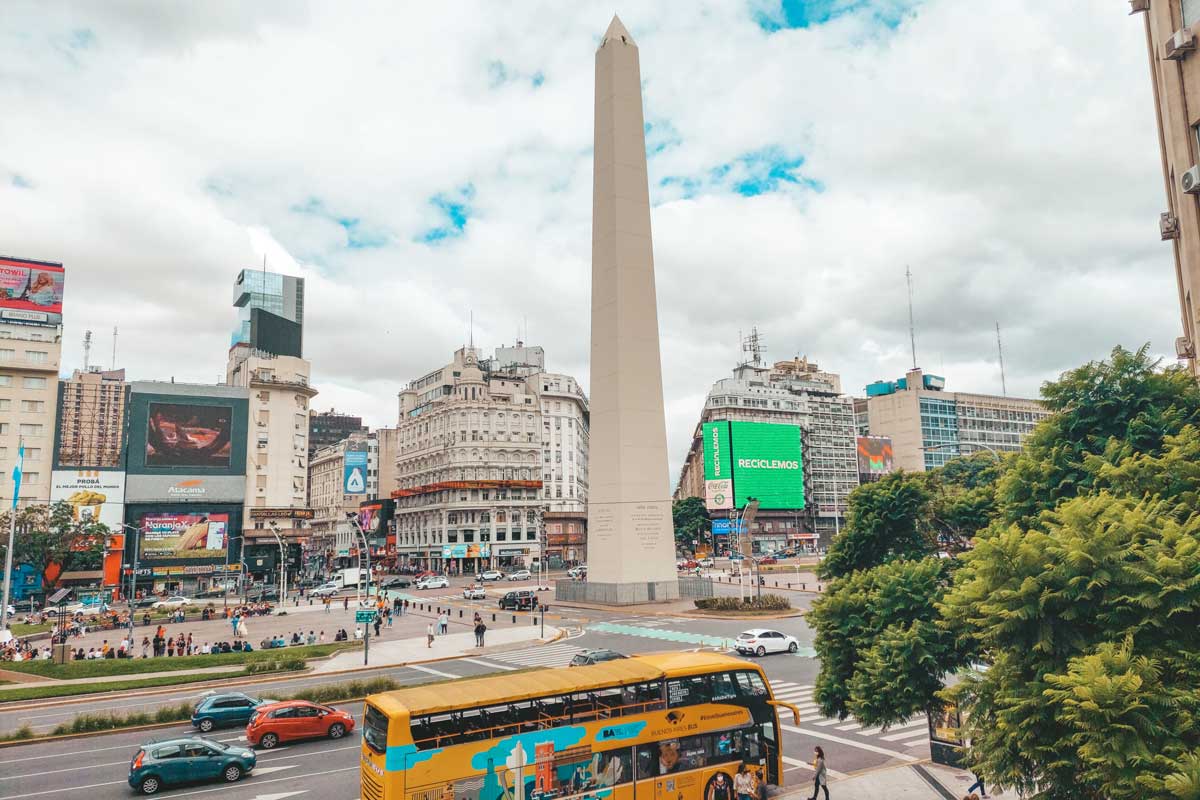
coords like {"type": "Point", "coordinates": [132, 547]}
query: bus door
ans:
{"type": "Point", "coordinates": [771, 752]}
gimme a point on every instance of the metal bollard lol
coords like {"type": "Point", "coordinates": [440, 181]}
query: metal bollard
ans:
{"type": "Point", "coordinates": [514, 622]}
{"type": "Point", "coordinates": [460, 613]}
{"type": "Point", "coordinates": [493, 617]}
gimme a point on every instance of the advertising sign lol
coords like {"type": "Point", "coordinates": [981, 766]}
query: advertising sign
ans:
{"type": "Point", "coordinates": [874, 457]}
{"type": "Point", "coordinates": [354, 474]}
{"type": "Point", "coordinates": [187, 435]}
{"type": "Point", "coordinates": [722, 527]}
{"type": "Point", "coordinates": [718, 469]}
{"type": "Point", "coordinates": [171, 489]}
{"type": "Point", "coordinates": [31, 291]}
{"type": "Point", "coordinates": [282, 513]}
{"type": "Point", "coordinates": [767, 464]}
{"type": "Point", "coordinates": [93, 495]}
{"type": "Point", "coordinates": [483, 550]}
{"type": "Point", "coordinates": [183, 536]}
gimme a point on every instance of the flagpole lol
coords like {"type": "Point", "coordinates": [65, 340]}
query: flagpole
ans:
{"type": "Point", "coordinates": [12, 532]}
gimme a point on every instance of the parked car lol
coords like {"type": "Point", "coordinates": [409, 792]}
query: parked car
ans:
{"type": "Point", "coordinates": [577, 572]}
{"type": "Point", "coordinates": [475, 592]}
{"type": "Point", "coordinates": [521, 575]}
{"type": "Point", "coordinates": [760, 641]}
{"type": "Point", "coordinates": [520, 600]}
{"type": "Point", "coordinates": [434, 582]}
{"type": "Point", "coordinates": [491, 575]}
{"type": "Point", "coordinates": [187, 760]}
{"type": "Point", "coordinates": [395, 582]}
{"type": "Point", "coordinates": [220, 710]}
{"type": "Point", "coordinates": [587, 657]}
{"type": "Point", "coordinates": [295, 719]}
{"type": "Point", "coordinates": [173, 602]}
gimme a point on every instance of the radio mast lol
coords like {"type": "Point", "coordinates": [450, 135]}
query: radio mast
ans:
{"type": "Point", "coordinates": [87, 348]}
{"type": "Point", "coordinates": [912, 328]}
{"type": "Point", "coordinates": [1000, 352]}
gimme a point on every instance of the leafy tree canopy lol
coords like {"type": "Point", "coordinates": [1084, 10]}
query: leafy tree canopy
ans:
{"type": "Point", "coordinates": [690, 518]}
{"type": "Point", "coordinates": [49, 534]}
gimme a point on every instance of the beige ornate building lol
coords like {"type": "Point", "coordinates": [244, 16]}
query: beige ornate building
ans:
{"type": "Point", "coordinates": [474, 447]}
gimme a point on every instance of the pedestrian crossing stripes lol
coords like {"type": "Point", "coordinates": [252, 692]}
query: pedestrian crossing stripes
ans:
{"type": "Point", "coordinates": [906, 734]}
{"type": "Point", "coordinates": [549, 655]}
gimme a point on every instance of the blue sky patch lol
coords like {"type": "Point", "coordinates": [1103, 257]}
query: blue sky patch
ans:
{"type": "Point", "coordinates": [660, 135]}
{"type": "Point", "coordinates": [21, 182]}
{"type": "Point", "coordinates": [81, 39]}
{"type": "Point", "coordinates": [787, 14]}
{"type": "Point", "coordinates": [456, 209]}
{"type": "Point", "coordinates": [359, 235]}
{"type": "Point", "coordinates": [770, 169]}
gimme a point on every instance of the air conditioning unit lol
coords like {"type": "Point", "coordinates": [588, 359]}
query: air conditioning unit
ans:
{"type": "Point", "coordinates": [1179, 45]}
{"type": "Point", "coordinates": [1190, 180]}
{"type": "Point", "coordinates": [1136, 6]}
{"type": "Point", "coordinates": [1168, 225]}
{"type": "Point", "coordinates": [1184, 348]}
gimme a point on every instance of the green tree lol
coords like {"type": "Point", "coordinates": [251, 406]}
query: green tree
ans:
{"type": "Point", "coordinates": [49, 535]}
{"type": "Point", "coordinates": [691, 520]}
{"type": "Point", "coordinates": [1126, 406]}
{"type": "Point", "coordinates": [882, 524]}
{"type": "Point", "coordinates": [1050, 609]}
{"type": "Point", "coordinates": [883, 655]}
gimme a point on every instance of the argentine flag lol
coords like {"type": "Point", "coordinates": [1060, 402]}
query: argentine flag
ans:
{"type": "Point", "coordinates": [17, 475]}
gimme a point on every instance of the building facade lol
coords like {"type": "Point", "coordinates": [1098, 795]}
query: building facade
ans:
{"type": "Point", "coordinates": [29, 362]}
{"type": "Point", "coordinates": [795, 392]}
{"type": "Point", "coordinates": [929, 426]}
{"type": "Point", "coordinates": [91, 420]}
{"type": "Point", "coordinates": [1172, 30]}
{"type": "Point", "coordinates": [330, 427]}
{"type": "Point", "coordinates": [270, 312]}
{"type": "Point", "coordinates": [475, 443]}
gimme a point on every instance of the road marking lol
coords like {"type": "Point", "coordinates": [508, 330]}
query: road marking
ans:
{"type": "Point", "coordinates": [485, 663]}
{"type": "Point", "coordinates": [841, 740]}
{"type": "Point", "coordinates": [225, 787]}
{"type": "Point", "coordinates": [905, 734]}
{"type": "Point", "coordinates": [875, 731]}
{"type": "Point", "coordinates": [913, 741]}
{"type": "Point", "coordinates": [55, 771]}
{"type": "Point", "coordinates": [69, 789]}
{"type": "Point", "coordinates": [270, 770]}
{"type": "Point", "coordinates": [278, 795]}
{"type": "Point", "coordinates": [432, 671]}
{"type": "Point", "coordinates": [798, 764]}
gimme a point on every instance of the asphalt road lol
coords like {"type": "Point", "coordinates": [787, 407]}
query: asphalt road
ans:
{"type": "Point", "coordinates": [97, 766]}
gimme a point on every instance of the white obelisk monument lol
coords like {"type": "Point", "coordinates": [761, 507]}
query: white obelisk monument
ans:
{"type": "Point", "coordinates": [631, 542]}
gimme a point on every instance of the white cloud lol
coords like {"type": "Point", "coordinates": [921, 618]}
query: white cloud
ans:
{"type": "Point", "coordinates": [1005, 152]}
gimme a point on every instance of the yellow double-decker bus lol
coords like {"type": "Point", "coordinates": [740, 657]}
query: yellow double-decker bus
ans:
{"type": "Point", "coordinates": [672, 726]}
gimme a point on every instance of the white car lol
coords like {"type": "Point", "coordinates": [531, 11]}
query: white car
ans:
{"type": "Point", "coordinates": [434, 582]}
{"type": "Point", "coordinates": [475, 592]}
{"type": "Point", "coordinates": [521, 575]}
{"type": "Point", "coordinates": [760, 641]}
{"type": "Point", "coordinates": [325, 590]}
{"type": "Point", "coordinates": [172, 602]}
{"type": "Point", "coordinates": [577, 572]}
{"type": "Point", "coordinates": [491, 575]}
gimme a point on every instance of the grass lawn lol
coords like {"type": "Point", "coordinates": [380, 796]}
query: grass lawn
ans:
{"type": "Point", "coordinates": [20, 630]}
{"type": "Point", "coordinates": [140, 666]}
{"type": "Point", "coordinates": [73, 689]}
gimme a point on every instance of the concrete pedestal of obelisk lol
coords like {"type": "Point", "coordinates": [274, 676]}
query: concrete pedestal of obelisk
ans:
{"type": "Point", "coordinates": [631, 541]}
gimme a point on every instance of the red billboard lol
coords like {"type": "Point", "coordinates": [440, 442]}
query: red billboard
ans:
{"type": "Point", "coordinates": [31, 291]}
{"type": "Point", "coordinates": [875, 458]}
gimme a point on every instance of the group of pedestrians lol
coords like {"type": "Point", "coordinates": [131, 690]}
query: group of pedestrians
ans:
{"type": "Point", "coordinates": [441, 626]}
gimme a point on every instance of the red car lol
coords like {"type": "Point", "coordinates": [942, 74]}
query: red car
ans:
{"type": "Point", "coordinates": [273, 723]}
{"type": "Point", "coordinates": [768, 560]}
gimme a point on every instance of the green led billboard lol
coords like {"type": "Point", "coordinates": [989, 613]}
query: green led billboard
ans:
{"type": "Point", "coordinates": [718, 467]}
{"type": "Point", "coordinates": [767, 464]}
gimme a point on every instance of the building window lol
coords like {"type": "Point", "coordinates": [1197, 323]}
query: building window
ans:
{"type": "Point", "coordinates": [33, 383]}
{"type": "Point", "coordinates": [33, 454]}
{"type": "Point", "coordinates": [3, 428]}
{"type": "Point", "coordinates": [4, 404]}
{"type": "Point", "coordinates": [33, 406]}
{"type": "Point", "coordinates": [1191, 12]}
{"type": "Point", "coordinates": [28, 429]}
{"type": "Point", "coordinates": [36, 356]}
{"type": "Point", "coordinates": [31, 478]}
{"type": "Point", "coordinates": [6, 354]}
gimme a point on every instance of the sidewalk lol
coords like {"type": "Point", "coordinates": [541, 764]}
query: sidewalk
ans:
{"type": "Point", "coordinates": [413, 650]}
{"type": "Point", "coordinates": [924, 781]}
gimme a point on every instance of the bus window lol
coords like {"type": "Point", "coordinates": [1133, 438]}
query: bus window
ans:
{"type": "Point", "coordinates": [688, 691]}
{"type": "Point", "coordinates": [500, 721]}
{"type": "Point", "coordinates": [608, 702]}
{"type": "Point", "coordinates": [650, 695]}
{"type": "Point", "coordinates": [647, 760]}
{"type": "Point", "coordinates": [524, 714]}
{"type": "Point", "coordinates": [471, 725]}
{"type": "Point", "coordinates": [724, 687]}
{"type": "Point", "coordinates": [751, 684]}
{"type": "Point", "coordinates": [614, 768]}
{"type": "Point", "coordinates": [375, 729]}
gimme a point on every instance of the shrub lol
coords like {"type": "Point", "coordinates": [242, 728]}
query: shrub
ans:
{"type": "Point", "coordinates": [20, 734]}
{"type": "Point", "coordinates": [768, 602]}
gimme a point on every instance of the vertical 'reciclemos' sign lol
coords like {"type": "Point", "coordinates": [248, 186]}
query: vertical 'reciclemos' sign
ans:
{"type": "Point", "coordinates": [718, 467]}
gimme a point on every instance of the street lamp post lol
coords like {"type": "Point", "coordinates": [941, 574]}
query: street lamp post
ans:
{"type": "Point", "coordinates": [133, 571]}
{"type": "Point", "coordinates": [367, 555]}
{"type": "Point", "coordinates": [274, 529]}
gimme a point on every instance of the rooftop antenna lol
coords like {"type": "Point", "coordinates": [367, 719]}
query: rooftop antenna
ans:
{"type": "Point", "coordinates": [754, 346]}
{"type": "Point", "coordinates": [114, 357]}
{"type": "Point", "coordinates": [912, 329]}
{"type": "Point", "coordinates": [471, 332]}
{"type": "Point", "coordinates": [87, 348]}
{"type": "Point", "coordinates": [1000, 352]}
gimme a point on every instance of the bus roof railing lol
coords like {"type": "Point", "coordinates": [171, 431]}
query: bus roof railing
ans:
{"type": "Point", "coordinates": [509, 687]}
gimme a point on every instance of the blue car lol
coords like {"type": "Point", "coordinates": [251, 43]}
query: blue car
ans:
{"type": "Point", "coordinates": [187, 760]}
{"type": "Point", "coordinates": [224, 710]}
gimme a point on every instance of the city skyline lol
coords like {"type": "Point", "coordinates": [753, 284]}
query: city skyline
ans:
{"type": "Point", "coordinates": [469, 196]}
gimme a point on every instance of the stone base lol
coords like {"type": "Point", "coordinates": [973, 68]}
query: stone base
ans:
{"type": "Point", "coordinates": [617, 594]}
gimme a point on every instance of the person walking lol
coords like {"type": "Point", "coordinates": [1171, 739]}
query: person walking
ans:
{"type": "Point", "coordinates": [378, 624]}
{"type": "Point", "coordinates": [404, 608]}
{"type": "Point", "coordinates": [327, 601]}
{"type": "Point", "coordinates": [743, 784]}
{"type": "Point", "coordinates": [444, 623]}
{"type": "Point", "coordinates": [480, 630]}
{"type": "Point", "coordinates": [978, 784]}
{"type": "Point", "coordinates": [429, 635]}
{"type": "Point", "coordinates": [820, 777]}
{"type": "Point", "coordinates": [389, 618]}
{"type": "Point", "coordinates": [145, 646]}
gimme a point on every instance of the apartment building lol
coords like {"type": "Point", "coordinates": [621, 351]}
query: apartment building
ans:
{"type": "Point", "coordinates": [29, 363]}
{"type": "Point", "coordinates": [330, 427]}
{"type": "Point", "coordinates": [91, 420]}
{"type": "Point", "coordinates": [929, 426]}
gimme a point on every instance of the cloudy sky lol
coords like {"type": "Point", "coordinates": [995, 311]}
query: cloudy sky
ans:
{"type": "Point", "coordinates": [419, 164]}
